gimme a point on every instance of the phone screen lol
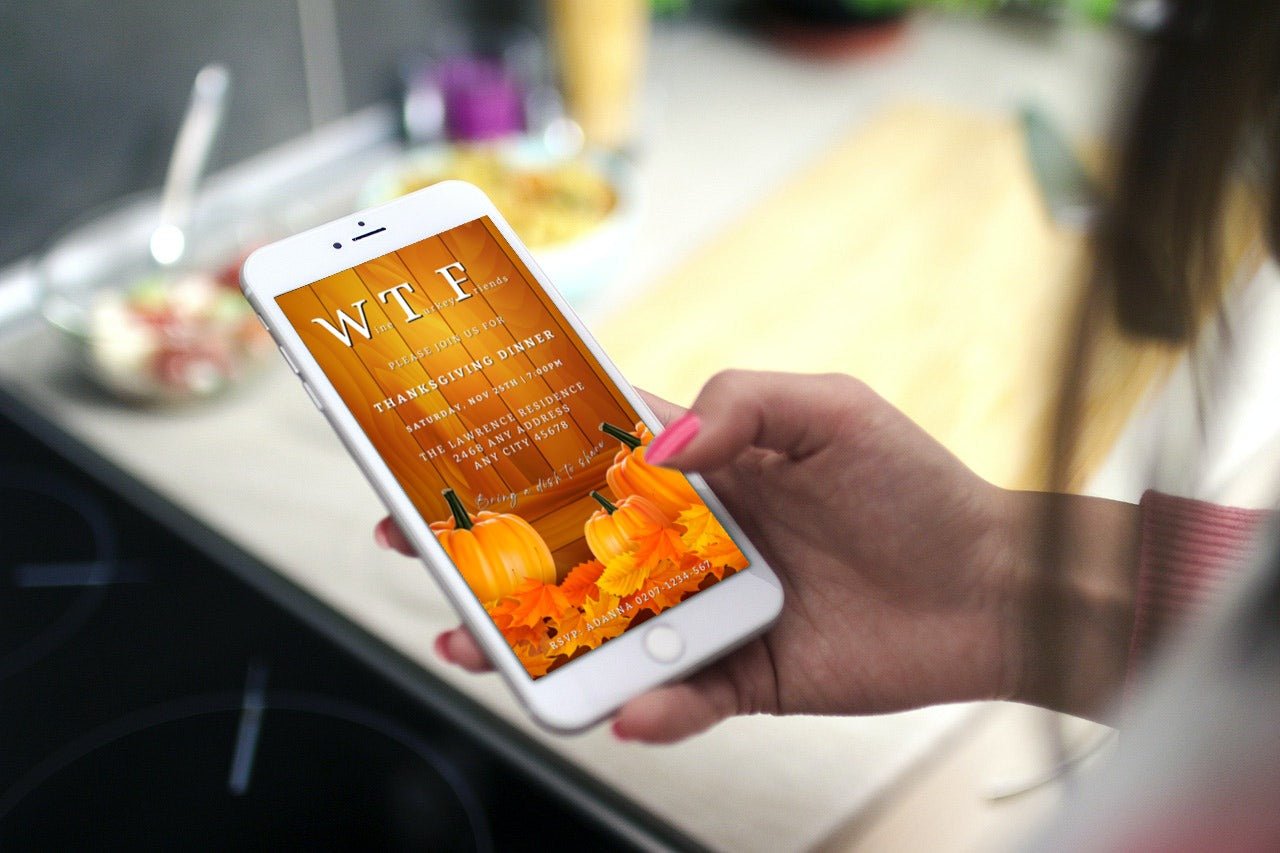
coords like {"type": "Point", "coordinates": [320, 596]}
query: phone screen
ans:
{"type": "Point", "coordinates": [512, 441]}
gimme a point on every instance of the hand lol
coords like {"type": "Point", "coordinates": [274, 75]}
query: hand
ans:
{"type": "Point", "coordinates": [898, 563]}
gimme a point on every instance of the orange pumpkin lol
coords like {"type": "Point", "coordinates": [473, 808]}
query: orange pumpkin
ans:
{"type": "Point", "coordinates": [631, 475]}
{"type": "Point", "coordinates": [495, 552]}
{"type": "Point", "coordinates": [613, 530]}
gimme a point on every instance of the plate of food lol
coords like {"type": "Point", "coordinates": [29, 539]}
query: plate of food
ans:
{"type": "Point", "coordinates": [147, 333]}
{"type": "Point", "coordinates": [578, 214]}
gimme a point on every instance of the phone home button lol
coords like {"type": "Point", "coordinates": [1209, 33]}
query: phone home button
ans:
{"type": "Point", "coordinates": [663, 644]}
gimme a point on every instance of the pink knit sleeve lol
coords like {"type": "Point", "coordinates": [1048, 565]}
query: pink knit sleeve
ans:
{"type": "Point", "coordinates": [1189, 548]}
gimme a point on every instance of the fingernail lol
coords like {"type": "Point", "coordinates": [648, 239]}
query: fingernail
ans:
{"type": "Point", "coordinates": [442, 648]}
{"type": "Point", "coordinates": [673, 439]}
{"type": "Point", "coordinates": [380, 535]}
{"type": "Point", "coordinates": [618, 733]}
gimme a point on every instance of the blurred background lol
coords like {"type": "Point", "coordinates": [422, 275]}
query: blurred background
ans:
{"type": "Point", "coordinates": [571, 114]}
{"type": "Point", "coordinates": [93, 94]}
{"type": "Point", "coordinates": [896, 189]}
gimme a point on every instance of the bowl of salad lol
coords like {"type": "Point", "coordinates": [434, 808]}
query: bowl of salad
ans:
{"type": "Point", "coordinates": [150, 333]}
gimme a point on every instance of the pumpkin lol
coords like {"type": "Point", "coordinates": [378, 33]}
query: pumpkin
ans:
{"type": "Point", "coordinates": [631, 475]}
{"type": "Point", "coordinates": [494, 551]}
{"type": "Point", "coordinates": [614, 530]}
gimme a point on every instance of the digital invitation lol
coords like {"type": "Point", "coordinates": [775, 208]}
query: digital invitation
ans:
{"type": "Point", "coordinates": [512, 441]}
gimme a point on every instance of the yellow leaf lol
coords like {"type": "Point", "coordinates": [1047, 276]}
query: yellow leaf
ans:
{"type": "Point", "coordinates": [604, 620]}
{"type": "Point", "coordinates": [706, 537]}
{"type": "Point", "coordinates": [623, 575]}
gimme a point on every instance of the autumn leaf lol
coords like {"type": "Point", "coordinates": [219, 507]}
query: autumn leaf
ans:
{"type": "Point", "coordinates": [623, 576]}
{"type": "Point", "coordinates": [705, 536]}
{"type": "Point", "coordinates": [626, 574]}
{"type": "Point", "coordinates": [665, 586]}
{"type": "Point", "coordinates": [570, 620]}
{"type": "Point", "coordinates": [500, 611]}
{"type": "Point", "coordinates": [571, 633]}
{"type": "Point", "coordinates": [603, 619]}
{"type": "Point", "coordinates": [501, 614]}
{"type": "Point", "coordinates": [599, 606]}
{"type": "Point", "coordinates": [538, 666]}
{"type": "Point", "coordinates": [535, 660]}
{"type": "Point", "coordinates": [581, 581]}
{"type": "Point", "coordinates": [536, 601]}
{"type": "Point", "coordinates": [701, 527]}
{"type": "Point", "coordinates": [532, 635]}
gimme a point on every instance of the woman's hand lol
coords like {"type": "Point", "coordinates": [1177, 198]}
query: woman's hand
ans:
{"type": "Point", "coordinates": [901, 568]}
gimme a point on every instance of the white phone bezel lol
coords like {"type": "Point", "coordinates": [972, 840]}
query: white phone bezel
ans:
{"type": "Point", "coordinates": [579, 694]}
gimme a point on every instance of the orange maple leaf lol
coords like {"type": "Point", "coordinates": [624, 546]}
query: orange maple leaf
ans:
{"type": "Point", "coordinates": [665, 585]}
{"type": "Point", "coordinates": [535, 660]}
{"type": "Point", "coordinates": [581, 581]}
{"type": "Point", "coordinates": [571, 633]}
{"type": "Point", "coordinates": [536, 601]}
{"type": "Point", "coordinates": [703, 572]}
{"type": "Point", "coordinates": [500, 611]}
{"type": "Point", "coordinates": [529, 634]}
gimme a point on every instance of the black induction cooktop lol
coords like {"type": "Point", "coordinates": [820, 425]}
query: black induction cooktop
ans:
{"type": "Point", "coordinates": [160, 690]}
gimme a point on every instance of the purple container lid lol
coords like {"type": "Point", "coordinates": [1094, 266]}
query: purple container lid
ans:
{"type": "Point", "coordinates": [480, 100]}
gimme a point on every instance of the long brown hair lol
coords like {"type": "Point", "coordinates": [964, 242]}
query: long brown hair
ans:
{"type": "Point", "coordinates": [1207, 112]}
{"type": "Point", "coordinates": [1207, 118]}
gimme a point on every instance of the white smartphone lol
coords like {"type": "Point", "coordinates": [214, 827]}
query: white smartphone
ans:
{"type": "Point", "coordinates": [510, 451]}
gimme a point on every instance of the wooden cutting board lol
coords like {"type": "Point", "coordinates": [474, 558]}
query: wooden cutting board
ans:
{"type": "Point", "coordinates": [917, 255]}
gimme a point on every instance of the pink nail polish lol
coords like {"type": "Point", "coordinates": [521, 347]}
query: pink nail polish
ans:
{"type": "Point", "coordinates": [673, 439]}
{"type": "Point", "coordinates": [442, 648]}
{"type": "Point", "coordinates": [617, 732]}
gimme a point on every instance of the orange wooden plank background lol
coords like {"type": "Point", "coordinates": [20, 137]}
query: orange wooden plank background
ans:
{"type": "Point", "coordinates": [500, 394]}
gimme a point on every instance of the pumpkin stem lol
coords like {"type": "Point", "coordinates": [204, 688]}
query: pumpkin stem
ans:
{"type": "Point", "coordinates": [621, 434]}
{"type": "Point", "coordinates": [604, 502]}
{"type": "Point", "coordinates": [460, 517]}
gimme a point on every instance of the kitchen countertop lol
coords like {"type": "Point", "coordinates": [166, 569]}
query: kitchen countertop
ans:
{"type": "Point", "coordinates": [780, 111]}
{"type": "Point", "coordinates": [262, 469]}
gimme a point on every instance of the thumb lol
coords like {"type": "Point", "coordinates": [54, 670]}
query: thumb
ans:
{"type": "Point", "coordinates": [791, 414]}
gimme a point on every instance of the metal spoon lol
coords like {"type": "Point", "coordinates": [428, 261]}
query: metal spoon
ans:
{"type": "Point", "coordinates": [187, 163]}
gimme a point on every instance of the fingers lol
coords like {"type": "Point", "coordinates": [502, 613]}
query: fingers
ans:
{"type": "Point", "coordinates": [664, 715]}
{"type": "Point", "coordinates": [676, 711]}
{"type": "Point", "coordinates": [792, 414]}
{"type": "Point", "coordinates": [459, 647]}
{"type": "Point", "coordinates": [456, 646]}
{"type": "Point", "coordinates": [388, 535]}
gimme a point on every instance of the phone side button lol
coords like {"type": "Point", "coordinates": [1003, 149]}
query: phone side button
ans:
{"type": "Point", "coordinates": [312, 394]}
{"type": "Point", "coordinates": [288, 360]}
{"type": "Point", "coordinates": [664, 644]}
